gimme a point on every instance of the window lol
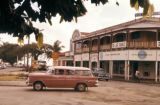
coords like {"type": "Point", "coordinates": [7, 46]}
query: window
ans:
{"type": "Point", "coordinates": [69, 72]}
{"type": "Point", "coordinates": [59, 72]}
{"type": "Point", "coordinates": [82, 73]}
{"type": "Point", "coordinates": [50, 71]}
{"type": "Point", "coordinates": [86, 73]}
{"type": "Point", "coordinates": [135, 35]}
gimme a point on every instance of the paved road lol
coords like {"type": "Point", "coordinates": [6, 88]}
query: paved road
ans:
{"type": "Point", "coordinates": [109, 93]}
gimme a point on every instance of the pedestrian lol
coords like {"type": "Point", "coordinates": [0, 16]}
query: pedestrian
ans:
{"type": "Point", "coordinates": [137, 75]}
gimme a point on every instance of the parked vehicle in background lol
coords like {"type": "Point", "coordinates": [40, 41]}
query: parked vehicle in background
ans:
{"type": "Point", "coordinates": [8, 64]}
{"type": "Point", "coordinates": [100, 74]}
{"type": "Point", "coordinates": [2, 66]}
{"type": "Point", "coordinates": [42, 65]}
{"type": "Point", "coordinates": [79, 78]}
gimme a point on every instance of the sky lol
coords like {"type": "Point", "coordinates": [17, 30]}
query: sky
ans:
{"type": "Point", "coordinates": [96, 18]}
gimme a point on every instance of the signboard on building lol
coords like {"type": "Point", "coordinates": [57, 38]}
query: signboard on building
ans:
{"type": "Point", "coordinates": [78, 57]}
{"type": "Point", "coordinates": [158, 43]}
{"type": "Point", "coordinates": [119, 44]}
{"type": "Point", "coordinates": [85, 57]}
{"type": "Point", "coordinates": [94, 57]}
{"type": "Point", "coordinates": [104, 56]}
{"type": "Point", "coordinates": [114, 55]}
{"type": "Point", "coordinates": [55, 55]}
{"type": "Point", "coordinates": [119, 55]}
{"type": "Point", "coordinates": [142, 55]}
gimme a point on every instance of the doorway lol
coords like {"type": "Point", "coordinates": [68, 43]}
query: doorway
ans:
{"type": "Point", "coordinates": [134, 68]}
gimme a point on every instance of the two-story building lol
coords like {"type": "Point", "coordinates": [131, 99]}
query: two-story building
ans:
{"type": "Point", "coordinates": [122, 49]}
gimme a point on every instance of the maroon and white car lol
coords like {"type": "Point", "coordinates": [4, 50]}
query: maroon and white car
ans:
{"type": "Point", "coordinates": [79, 78]}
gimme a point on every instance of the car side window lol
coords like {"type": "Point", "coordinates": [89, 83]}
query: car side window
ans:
{"type": "Point", "coordinates": [83, 73]}
{"type": "Point", "coordinates": [50, 71]}
{"type": "Point", "coordinates": [86, 73]}
{"type": "Point", "coordinates": [59, 72]}
{"type": "Point", "coordinates": [78, 72]}
{"type": "Point", "coordinates": [70, 72]}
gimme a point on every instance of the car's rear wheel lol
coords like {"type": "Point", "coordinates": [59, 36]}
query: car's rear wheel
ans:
{"type": "Point", "coordinates": [81, 87]}
{"type": "Point", "coordinates": [38, 86]}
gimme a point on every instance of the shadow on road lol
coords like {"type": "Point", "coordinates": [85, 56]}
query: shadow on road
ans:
{"type": "Point", "coordinates": [52, 90]}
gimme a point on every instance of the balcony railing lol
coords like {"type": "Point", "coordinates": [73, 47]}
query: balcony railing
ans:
{"type": "Point", "coordinates": [94, 48]}
{"type": "Point", "coordinates": [78, 50]}
{"type": "Point", "coordinates": [105, 47]}
{"type": "Point", "coordinates": [85, 49]}
{"type": "Point", "coordinates": [141, 44]}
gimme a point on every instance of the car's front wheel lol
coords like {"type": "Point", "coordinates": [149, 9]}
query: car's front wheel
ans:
{"type": "Point", "coordinates": [81, 87]}
{"type": "Point", "coordinates": [38, 86]}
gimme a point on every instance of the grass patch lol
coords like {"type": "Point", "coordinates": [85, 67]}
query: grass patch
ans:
{"type": "Point", "coordinates": [9, 78]}
{"type": "Point", "coordinates": [13, 76]}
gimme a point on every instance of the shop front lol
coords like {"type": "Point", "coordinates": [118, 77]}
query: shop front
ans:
{"type": "Point", "coordinates": [144, 61]}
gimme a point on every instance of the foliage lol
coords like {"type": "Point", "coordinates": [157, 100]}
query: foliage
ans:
{"type": "Point", "coordinates": [148, 8]}
{"type": "Point", "coordinates": [8, 52]}
{"type": "Point", "coordinates": [16, 16]}
{"type": "Point", "coordinates": [33, 50]}
{"type": "Point", "coordinates": [57, 47]}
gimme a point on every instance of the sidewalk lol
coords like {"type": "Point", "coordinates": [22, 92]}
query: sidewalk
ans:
{"type": "Point", "coordinates": [13, 83]}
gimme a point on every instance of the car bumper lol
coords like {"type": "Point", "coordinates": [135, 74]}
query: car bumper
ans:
{"type": "Point", "coordinates": [28, 83]}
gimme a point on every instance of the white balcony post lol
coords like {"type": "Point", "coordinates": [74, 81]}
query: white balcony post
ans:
{"type": "Point", "coordinates": [128, 67]}
{"type": "Point", "coordinates": [111, 68]}
{"type": "Point", "coordinates": [156, 71]}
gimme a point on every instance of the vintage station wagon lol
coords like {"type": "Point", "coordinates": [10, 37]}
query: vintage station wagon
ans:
{"type": "Point", "coordinates": [79, 78]}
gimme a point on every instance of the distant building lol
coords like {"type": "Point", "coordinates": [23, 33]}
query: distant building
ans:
{"type": "Point", "coordinates": [120, 50]}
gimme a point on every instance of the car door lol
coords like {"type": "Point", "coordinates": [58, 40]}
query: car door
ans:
{"type": "Point", "coordinates": [71, 79]}
{"type": "Point", "coordinates": [58, 79]}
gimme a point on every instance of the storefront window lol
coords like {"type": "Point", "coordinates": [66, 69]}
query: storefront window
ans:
{"type": "Point", "coordinates": [78, 63]}
{"type": "Point", "coordinates": [118, 67]}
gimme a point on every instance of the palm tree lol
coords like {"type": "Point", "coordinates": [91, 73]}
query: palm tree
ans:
{"type": "Point", "coordinates": [53, 51]}
{"type": "Point", "coordinates": [57, 47]}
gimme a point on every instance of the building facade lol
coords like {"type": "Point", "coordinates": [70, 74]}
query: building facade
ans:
{"type": "Point", "coordinates": [121, 50]}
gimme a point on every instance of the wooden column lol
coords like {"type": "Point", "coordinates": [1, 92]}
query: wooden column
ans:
{"type": "Point", "coordinates": [90, 45]}
{"type": "Point", "coordinates": [98, 51]}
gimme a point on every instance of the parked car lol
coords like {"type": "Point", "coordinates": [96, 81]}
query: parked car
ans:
{"type": "Point", "coordinates": [100, 74]}
{"type": "Point", "coordinates": [42, 65]}
{"type": "Point", "coordinates": [79, 78]}
{"type": "Point", "coordinates": [2, 66]}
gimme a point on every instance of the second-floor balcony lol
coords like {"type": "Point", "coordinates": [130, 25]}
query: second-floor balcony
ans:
{"type": "Point", "coordinates": [85, 49]}
{"type": "Point", "coordinates": [94, 48]}
{"type": "Point", "coordinates": [105, 47]}
{"type": "Point", "coordinates": [142, 44]}
{"type": "Point", "coordinates": [78, 50]}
